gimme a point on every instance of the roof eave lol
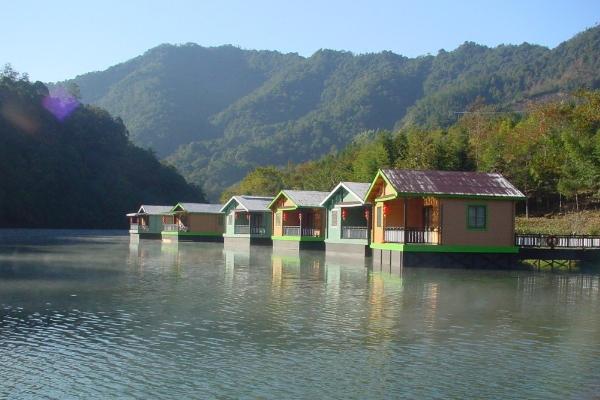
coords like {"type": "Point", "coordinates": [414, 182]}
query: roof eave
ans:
{"type": "Point", "coordinates": [335, 189]}
{"type": "Point", "coordinates": [281, 192]}
{"type": "Point", "coordinates": [233, 198]}
{"type": "Point", "coordinates": [385, 178]}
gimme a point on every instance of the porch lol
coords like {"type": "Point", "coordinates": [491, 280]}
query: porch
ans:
{"type": "Point", "coordinates": [304, 223]}
{"type": "Point", "coordinates": [250, 223]}
{"type": "Point", "coordinates": [173, 223]}
{"type": "Point", "coordinates": [139, 224]}
{"type": "Point", "coordinates": [353, 222]}
{"type": "Point", "coordinates": [408, 221]}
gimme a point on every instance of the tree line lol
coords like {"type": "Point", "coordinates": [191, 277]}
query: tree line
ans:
{"type": "Point", "coordinates": [550, 151]}
{"type": "Point", "coordinates": [68, 165]}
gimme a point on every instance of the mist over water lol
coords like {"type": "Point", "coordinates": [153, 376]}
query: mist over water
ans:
{"type": "Point", "coordinates": [91, 315]}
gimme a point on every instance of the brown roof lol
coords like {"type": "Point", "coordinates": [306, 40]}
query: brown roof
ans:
{"type": "Point", "coordinates": [451, 183]}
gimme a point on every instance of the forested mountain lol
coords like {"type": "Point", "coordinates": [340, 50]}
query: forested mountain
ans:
{"type": "Point", "coordinates": [551, 152]}
{"type": "Point", "coordinates": [67, 165]}
{"type": "Point", "coordinates": [216, 113]}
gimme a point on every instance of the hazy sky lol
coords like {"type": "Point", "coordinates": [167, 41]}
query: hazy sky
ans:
{"type": "Point", "coordinates": [54, 40]}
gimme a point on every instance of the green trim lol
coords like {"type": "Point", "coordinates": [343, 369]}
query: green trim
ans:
{"type": "Point", "coordinates": [246, 235]}
{"type": "Point", "coordinates": [298, 238]}
{"type": "Point", "coordinates": [226, 209]}
{"type": "Point", "coordinates": [281, 192]}
{"type": "Point", "coordinates": [379, 173]}
{"type": "Point", "coordinates": [386, 197]}
{"type": "Point", "coordinates": [288, 208]}
{"type": "Point", "coordinates": [170, 233]}
{"type": "Point", "coordinates": [364, 242]}
{"type": "Point", "coordinates": [485, 220]}
{"type": "Point", "coordinates": [331, 196]}
{"type": "Point", "coordinates": [444, 248]}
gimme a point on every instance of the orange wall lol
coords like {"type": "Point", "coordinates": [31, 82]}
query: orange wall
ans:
{"type": "Point", "coordinates": [277, 228]}
{"type": "Point", "coordinates": [500, 223]}
{"type": "Point", "coordinates": [213, 223]}
{"type": "Point", "coordinates": [395, 216]}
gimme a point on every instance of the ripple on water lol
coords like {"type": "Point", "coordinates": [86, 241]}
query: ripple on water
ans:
{"type": "Point", "coordinates": [195, 321]}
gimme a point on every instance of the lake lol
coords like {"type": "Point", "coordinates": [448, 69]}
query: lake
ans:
{"type": "Point", "coordinates": [90, 315]}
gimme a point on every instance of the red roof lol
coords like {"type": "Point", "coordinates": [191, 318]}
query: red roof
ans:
{"type": "Point", "coordinates": [451, 183]}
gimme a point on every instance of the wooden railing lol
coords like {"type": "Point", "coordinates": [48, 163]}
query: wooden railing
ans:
{"type": "Point", "coordinates": [291, 231]}
{"type": "Point", "coordinates": [410, 235]}
{"type": "Point", "coordinates": [241, 229]}
{"type": "Point", "coordinates": [258, 230]}
{"type": "Point", "coordinates": [175, 228]}
{"type": "Point", "coordinates": [297, 231]}
{"type": "Point", "coordinates": [355, 232]}
{"type": "Point", "coordinates": [133, 227]}
{"type": "Point", "coordinates": [312, 232]}
{"type": "Point", "coordinates": [558, 241]}
{"type": "Point", "coordinates": [143, 228]}
{"type": "Point", "coordinates": [249, 229]}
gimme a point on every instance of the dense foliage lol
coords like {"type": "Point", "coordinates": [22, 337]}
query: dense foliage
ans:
{"type": "Point", "coordinates": [551, 153]}
{"type": "Point", "coordinates": [64, 165]}
{"type": "Point", "coordinates": [217, 113]}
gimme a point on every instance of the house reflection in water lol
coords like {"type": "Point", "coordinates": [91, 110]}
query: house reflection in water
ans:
{"type": "Point", "coordinates": [385, 294]}
{"type": "Point", "coordinates": [340, 271]}
{"type": "Point", "coordinates": [285, 272]}
{"type": "Point", "coordinates": [430, 305]}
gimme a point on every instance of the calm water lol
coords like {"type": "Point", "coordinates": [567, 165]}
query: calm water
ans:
{"type": "Point", "coordinates": [85, 316]}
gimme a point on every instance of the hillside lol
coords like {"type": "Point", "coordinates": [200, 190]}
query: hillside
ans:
{"type": "Point", "coordinates": [216, 113]}
{"type": "Point", "coordinates": [551, 152]}
{"type": "Point", "coordinates": [65, 165]}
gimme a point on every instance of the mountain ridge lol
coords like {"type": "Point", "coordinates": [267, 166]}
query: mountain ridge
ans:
{"type": "Point", "coordinates": [217, 112]}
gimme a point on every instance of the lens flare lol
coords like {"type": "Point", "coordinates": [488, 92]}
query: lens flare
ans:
{"type": "Point", "coordinates": [60, 102]}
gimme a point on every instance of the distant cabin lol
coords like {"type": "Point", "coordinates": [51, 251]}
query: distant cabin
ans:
{"type": "Point", "coordinates": [194, 222]}
{"type": "Point", "coordinates": [348, 219]}
{"type": "Point", "coordinates": [299, 219]}
{"type": "Point", "coordinates": [434, 212]}
{"type": "Point", "coordinates": [248, 220]}
{"type": "Point", "coordinates": [147, 222]}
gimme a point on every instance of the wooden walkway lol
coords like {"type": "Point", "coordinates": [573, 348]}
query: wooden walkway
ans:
{"type": "Point", "coordinates": [559, 248]}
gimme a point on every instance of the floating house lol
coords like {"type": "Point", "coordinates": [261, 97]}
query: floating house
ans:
{"type": "Point", "coordinates": [194, 222]}
{"type": "Point", "coordinates": [299, 220]}
{"type": "Point", "coordinates": [348, 219]}
{"type": "Point", "coordinates": [147, 222]}
{"type": "Point", "coordinates": [248, 220]}
{"type": "Point", "coordinates": [442, 218]}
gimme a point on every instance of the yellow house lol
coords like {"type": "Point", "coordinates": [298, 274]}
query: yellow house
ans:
{"type": "Point", "coordinates": [444, 218]}
{"type": "Point", "coordinates": [299, 220]}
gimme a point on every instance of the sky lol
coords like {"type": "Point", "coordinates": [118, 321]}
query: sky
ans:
{"type": "Point", "coordinates": [59, 39]}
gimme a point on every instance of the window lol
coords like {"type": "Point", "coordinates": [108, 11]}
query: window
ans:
{"type": "Point", "coordinates": [476, 217]}
{"type": "Point", "coordinates": [334, 218]}
{"type": "Point", "coordinates": [428, 216]}
{"type": "Point", "coordinates": [278, 219]}
{"type": "Point", "coordinates": [379, 216]}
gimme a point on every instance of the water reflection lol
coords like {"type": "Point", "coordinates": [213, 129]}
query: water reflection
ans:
{"type": "Point", "coordinates": [106, 318]}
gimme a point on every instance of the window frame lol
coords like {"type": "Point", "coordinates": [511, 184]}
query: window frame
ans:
{"type": "Point", "coordinates": [278, 218]}
{"type": "Point", "coordinates": [379, 216]}
{"type": "Point", "coordinates": [485, 217]}
{"type": "Point", "coordinates": [334, 218]}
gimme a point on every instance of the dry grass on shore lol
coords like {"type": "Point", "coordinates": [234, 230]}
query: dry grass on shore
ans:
{"type": "Point", "coordinates": [580, 223]}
